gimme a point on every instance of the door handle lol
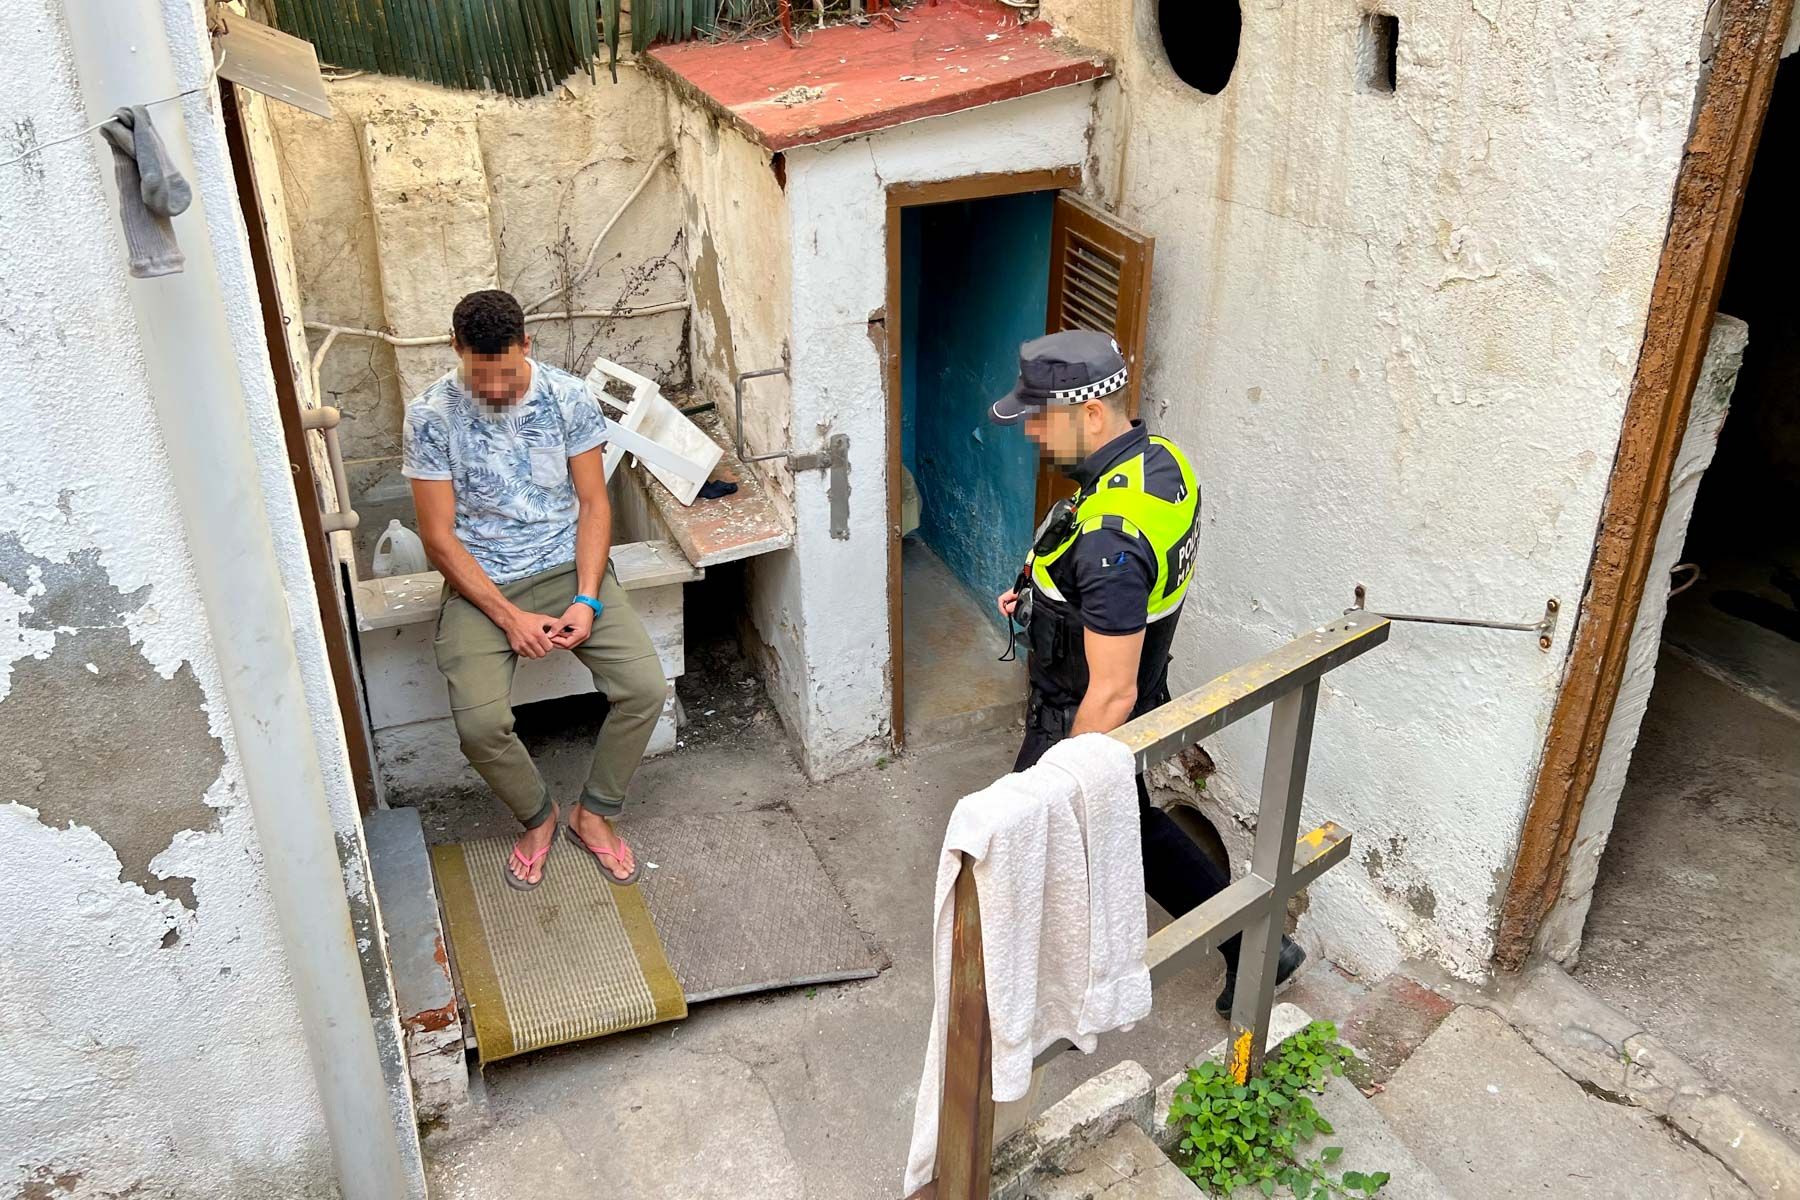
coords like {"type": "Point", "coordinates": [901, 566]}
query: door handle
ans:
{"type": "Point", "coordinates": [325, 419]}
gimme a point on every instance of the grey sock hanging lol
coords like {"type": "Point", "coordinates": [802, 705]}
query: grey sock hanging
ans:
{"type": "Point", "coordinates": [151, 191]}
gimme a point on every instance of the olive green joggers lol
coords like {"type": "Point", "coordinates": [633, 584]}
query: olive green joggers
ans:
{"type": "Point", "coordinates": [478, 663]}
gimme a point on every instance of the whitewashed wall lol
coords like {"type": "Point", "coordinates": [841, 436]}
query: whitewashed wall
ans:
{"type": "Point", "coordinates": [1396, 332]}
{"type": "Point", "coordinates": [833, 609]}
{"type": "Point", "coordinates": [151, 1042]}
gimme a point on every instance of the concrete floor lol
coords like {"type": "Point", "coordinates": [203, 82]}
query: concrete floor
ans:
{"type": "Point", "coordinates": [1693, 930]}
{"type": "Point", "coordinates": [1707, 625]}
{"type": "Point", "coordinates": [955, 685]}
{"type": "Point", "coordinates": [807, 1093]}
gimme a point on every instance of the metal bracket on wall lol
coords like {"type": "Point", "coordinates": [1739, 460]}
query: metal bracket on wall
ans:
{"type": "Point", "coordinates": [1545, 629]}
{"type": "Point", "coordinates": [822, 459]}
{"type": "Point", "coordinates": [834, 459]}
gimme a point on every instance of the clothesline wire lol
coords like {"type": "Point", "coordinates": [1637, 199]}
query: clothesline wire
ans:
{"type": "Point", "coordinates": [40, 147]}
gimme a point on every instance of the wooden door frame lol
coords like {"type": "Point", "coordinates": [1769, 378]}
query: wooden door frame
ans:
{"type": "Point", "coordinates": [1709, 194]}
{"type": "Point", "coordinates": [901, 196]}
{"type": "Point", "coordinates": [341, 656]}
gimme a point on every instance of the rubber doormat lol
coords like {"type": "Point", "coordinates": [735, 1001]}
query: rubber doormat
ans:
{"type": "Point", "coordinates": [744, 905]}
{"type": "Point", "coordinates": [576, 958]}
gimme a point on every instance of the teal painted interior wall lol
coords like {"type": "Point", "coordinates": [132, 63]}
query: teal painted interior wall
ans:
{"type": "Point", "coordinates": [910, 258]}
{"type": "Point", "coordinates": [979, 276]}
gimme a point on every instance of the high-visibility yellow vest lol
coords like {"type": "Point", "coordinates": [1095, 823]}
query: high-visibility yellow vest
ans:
{"type": "Point", "coordinates": [1171, 527]}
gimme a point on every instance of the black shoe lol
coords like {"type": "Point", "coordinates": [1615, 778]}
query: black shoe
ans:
{"type": "Point", "coordinates": [1291, 958]}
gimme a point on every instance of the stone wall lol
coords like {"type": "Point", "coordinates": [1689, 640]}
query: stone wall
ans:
{"type": "Point", "coordinates": [412, 195]}
{"type": "Point", "coordinates": [1395, 331]}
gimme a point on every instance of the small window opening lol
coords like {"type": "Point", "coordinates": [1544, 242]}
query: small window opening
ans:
{"type": "Point", "coordinates": [1378, 52]}
{"type": "Point", "coordinates": [1201, 39]}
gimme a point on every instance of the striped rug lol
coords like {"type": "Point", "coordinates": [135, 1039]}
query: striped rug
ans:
{"type": "Point", "coordinates": [576, 958]}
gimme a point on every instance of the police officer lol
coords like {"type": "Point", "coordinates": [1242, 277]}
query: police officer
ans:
{"type": "Point", "coordinates": [1102, 589]}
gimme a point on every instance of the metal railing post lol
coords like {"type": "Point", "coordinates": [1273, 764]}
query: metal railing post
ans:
{"type": "Point", "coordinates": [1282, 862]}
{"type": "Point", "coordinates": [1272, 861]}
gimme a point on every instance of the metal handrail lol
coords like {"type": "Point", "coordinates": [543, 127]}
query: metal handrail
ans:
{"type": "Point", "coordinates": [1281, 863]}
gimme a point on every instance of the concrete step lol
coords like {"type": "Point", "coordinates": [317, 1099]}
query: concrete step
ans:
{"type": "Point", "coordinates": [1369, 1146]}
{"type": "Point", "coordinates": [1127, 1165]}
{"type": "Point", "coordinates": [928, 732]}
{"type": "Point", "coordinates": [1494, 1119]}
{"type": "Point", "coordinates": [430, 1018]}
{"type": "Point", "coordinates": [1111, 1138]}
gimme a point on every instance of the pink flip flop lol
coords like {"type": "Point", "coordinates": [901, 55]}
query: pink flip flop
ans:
{"type": "Point", "coordinates": [600, 857]}
{"type": "Point", "coordinates": [526, 862]}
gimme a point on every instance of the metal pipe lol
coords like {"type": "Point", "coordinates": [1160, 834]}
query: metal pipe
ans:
{"type": "Point", "coordinates": [1544, 628]}
{"type": "Point", "coordinates": [1465, 622]}
{"type": "Point", "coordinates": [1271, 859]}
{"type": "Point", "coordinates": [122, 54]}
{"type": "Point", "coordinates": [587, 264]}
{"type": "Point", "coordinates": [333, 332]}
{"type": "Point", "coordinates": [1185, 942]}
{"type": "Point", "coordinates": [743, 451]}
{"type": "Point", "coordinates": [444, 339]}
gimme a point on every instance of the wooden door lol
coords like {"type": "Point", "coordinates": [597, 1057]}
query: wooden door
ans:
{"type": "Point", "coordinates": [1099, 279]}
{"type": "Point", "coordinates": [281, 330]}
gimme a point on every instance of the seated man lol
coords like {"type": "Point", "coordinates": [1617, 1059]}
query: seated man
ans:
{"type": "Point", "coordinates": [504, 458]}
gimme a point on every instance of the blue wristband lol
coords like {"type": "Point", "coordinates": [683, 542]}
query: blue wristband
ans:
{"type": "Point", "coordinates": [591, 603]}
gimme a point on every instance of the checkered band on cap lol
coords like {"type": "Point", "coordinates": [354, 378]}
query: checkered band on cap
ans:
{"type": "Point", "coordinates": [1091, 391]}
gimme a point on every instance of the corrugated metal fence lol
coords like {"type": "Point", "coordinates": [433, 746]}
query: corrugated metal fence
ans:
{"type": "Point", "coordinates": [519, 47]}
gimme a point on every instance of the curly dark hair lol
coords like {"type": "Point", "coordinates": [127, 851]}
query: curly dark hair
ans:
{"type": "Point", "coordinates": [487, 322]}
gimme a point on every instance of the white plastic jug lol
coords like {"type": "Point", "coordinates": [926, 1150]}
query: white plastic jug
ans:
{"type": "Point", "coordinates": [399, 552]}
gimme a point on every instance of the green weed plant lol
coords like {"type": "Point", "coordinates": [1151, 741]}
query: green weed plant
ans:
{"type": "Point", "coordinates": [1258, 1134]}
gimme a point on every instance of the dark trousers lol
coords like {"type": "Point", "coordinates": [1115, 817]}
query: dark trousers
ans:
{"type": "Point", "coordinates": [1178, 874]}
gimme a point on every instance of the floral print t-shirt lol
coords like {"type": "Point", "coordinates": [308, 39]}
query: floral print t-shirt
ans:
{"type": "Point", "coordinates": [508, 464]}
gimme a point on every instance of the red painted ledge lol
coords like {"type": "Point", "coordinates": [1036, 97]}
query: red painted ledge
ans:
{"type": "Point", "coordinates": [944, 57]}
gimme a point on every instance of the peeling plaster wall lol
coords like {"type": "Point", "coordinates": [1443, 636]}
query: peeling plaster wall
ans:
{"type": "Point", "coordinates": [150, 1038]}
{"type": "Point", "coordinates": [1560, 936]}
{"type": "Point", "coordinates": [412, 195]}
{"type": "Point", "coordinates": [1395, 332]}
{"type": "Point", "coordinates": [738, 262]}
{"type": "Point", "coordinates": [833, 611]}
{"type": "Point", "coordinates": [738, 255]}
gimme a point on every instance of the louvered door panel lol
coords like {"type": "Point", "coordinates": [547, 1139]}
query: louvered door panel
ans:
{"type": "Point", "coordinates": [1099, 279]}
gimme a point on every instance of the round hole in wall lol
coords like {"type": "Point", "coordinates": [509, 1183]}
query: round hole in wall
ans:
{"type": "Point", "coordinates": [1201, 39]}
